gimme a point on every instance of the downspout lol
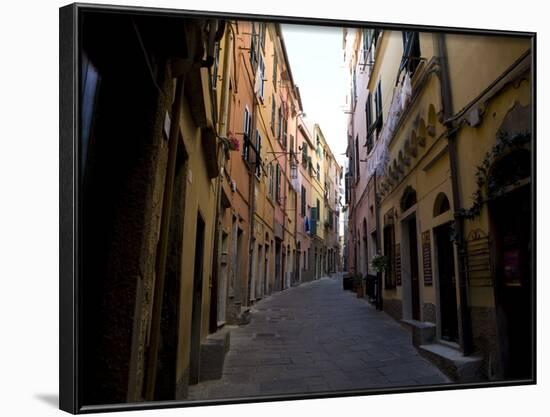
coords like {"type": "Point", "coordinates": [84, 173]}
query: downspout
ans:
{"type": "Point", "coordinates": [222, 131]}
{"type": "Point", "coordinates": [447, 102]}
{"type": "Point", "coordinates": [251, 198]}
{"type": "Point", "coordinates": [227, 65]}
{"type": "Point", "coordinates": [160, 267]}
{"type": "Point", "coordinates": [298, 255]}
{"type": "Point", "coordinates": [379, 302]}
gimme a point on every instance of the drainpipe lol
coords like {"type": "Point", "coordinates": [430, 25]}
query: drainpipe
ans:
{"type": "Point", "coordinates": [379, 302]}
{"type": "Point", "coordinates": [160, 267]}
{"type": "Point", "coordinates": [227, 64]}
{"type": "Point", "coordinates": [251, 196]}
{"type": "Point", "coordinates": [447, 102]}
{"type": "Point", "coordinates": [222, 131]}
{"type": "Point", "coordinates": [298, 255]}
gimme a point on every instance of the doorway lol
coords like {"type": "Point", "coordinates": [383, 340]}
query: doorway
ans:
{"type": "Point", "coordinates": [265, 291]}
{"type": "Point", "coordinates": [446, 282]}
{"type": "Point", "coordinates": [222, 288]}
{"type": "Point", "coordinates": [277, 264]}
{"type": "Point", "coordinates": [259, 280]}
{"type": "Point", "coordinates": [165, 374]}
{"type": "Point", "coordinates": [511, 224]}
{"type": "Point", "coordinates": [194, 367]}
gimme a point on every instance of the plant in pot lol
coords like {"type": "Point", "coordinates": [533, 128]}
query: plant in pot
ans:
{"type": "Point", "coordinates": [380, 263]}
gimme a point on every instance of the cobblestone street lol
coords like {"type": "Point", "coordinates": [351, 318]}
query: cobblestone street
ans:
{"type": "Point", "coordinates": [317, 338]}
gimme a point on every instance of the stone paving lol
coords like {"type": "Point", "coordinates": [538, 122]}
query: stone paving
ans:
{"type": "Point", "coordinates": [317, 338]}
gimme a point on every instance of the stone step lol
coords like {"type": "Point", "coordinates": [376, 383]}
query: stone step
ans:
{"type": "Point", "coordinates": [423, 332]}
{"type": "Point", "coordinates": [212, 356]}
{"type": "Point", "coordinates": [452, 362]}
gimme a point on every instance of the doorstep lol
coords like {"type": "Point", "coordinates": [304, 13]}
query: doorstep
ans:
{"type": "Point", "coordinates": [423, 332]}
{"type": "Point", "coordinates": [212, 354]}
{"type": "Point", "coordinates": [452, 362]}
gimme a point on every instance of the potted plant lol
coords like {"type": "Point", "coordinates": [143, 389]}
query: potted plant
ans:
{"type": "Point", "coordinates": [380, 263]}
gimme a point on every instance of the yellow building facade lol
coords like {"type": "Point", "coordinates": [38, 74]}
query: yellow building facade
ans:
{"type": "Point", "coordinates": [449, 114]}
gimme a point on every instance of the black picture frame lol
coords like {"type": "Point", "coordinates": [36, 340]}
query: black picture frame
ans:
{"type": "Point", "coordinates": [70, 203]}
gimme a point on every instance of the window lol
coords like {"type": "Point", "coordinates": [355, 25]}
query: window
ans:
{"type": "Point", "coordinates": [411, 52]}
{"type": "Point", "coordinates": [273, 108]}
{"type": "Point", "coordinates": [262, 35]}
{"type": "Point", "coordinates": [378, 107]}
{"type": "Point", "coordinates": [246, 135]}
{"type": "Point", "coordinates": [275, 71]}
{"type": "Point", "coordinates": [303, 205]}
{"type": "Point", "coordinates": [284, 133]}
{"type": "Point", "coordinates": [280, 124]}
{"type": "Point", "coordinates": [253, 47]}
{"type": "Point", "coordinates": [318, 210]}
{"type": "Point", "coordinates": [357, 157]}
{"type": "Point", "coordinates": [351, 156]}
{"type": "Point", "coordinates": [261, 74]}
{"type": "Point", "coordinates": [313, 220]}
{"type": "Point", "coordinates": [365, 45]}
{"type": "Point", "coordinates": [278, 183]}
{"type": "Point", "coordinates": [270, 186]}
{"type": "Point", "coordinates": [304, 154]}
{"type": "Point", "coordinates": [441, 204]}
{"type": "Point", "coordinates": [257, 150]}
{"type": "Point", "coordinates": [370, 127]}
{"type": "Point", "coordinates": [318, 172]}
{"type": "Point", "coordinates": [348, 187]}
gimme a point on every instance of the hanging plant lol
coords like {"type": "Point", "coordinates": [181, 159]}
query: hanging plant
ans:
{"type": "Point", "coordinates": [497, 183]}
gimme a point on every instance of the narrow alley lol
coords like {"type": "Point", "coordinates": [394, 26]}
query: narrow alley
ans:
{"type": "Point", "coordinates": [224, 181]}
{"type": "Point", "coordinates": [333, 341]}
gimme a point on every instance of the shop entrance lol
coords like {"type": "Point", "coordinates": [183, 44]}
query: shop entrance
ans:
{"type": "Point", "coordinates": [511, 222]}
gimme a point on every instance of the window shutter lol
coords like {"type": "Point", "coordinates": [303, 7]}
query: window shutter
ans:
{"type": "Point", "coordinates": [277, 182]}
{"type": "Point", "coordinates": [318, 210]}
{"type": "Point", "coordinates": [273, 105]}
{"type": "Point", "coordinates": [368, 114]}
{"type": "Point", "coordinates": [261, 69]}
{"type": "Point", "coordinates": [253, 47]}
{"type": "Point", "coordinates": [257, 157]}
{"type": "Point", "coordinates": [246, 134]}
{"type": "Point", "coordinates": [313, 222]}
{"type": "Point", "coordinates": [303, 208]}
{"type": "Point", "coordinates": [378, 100]}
